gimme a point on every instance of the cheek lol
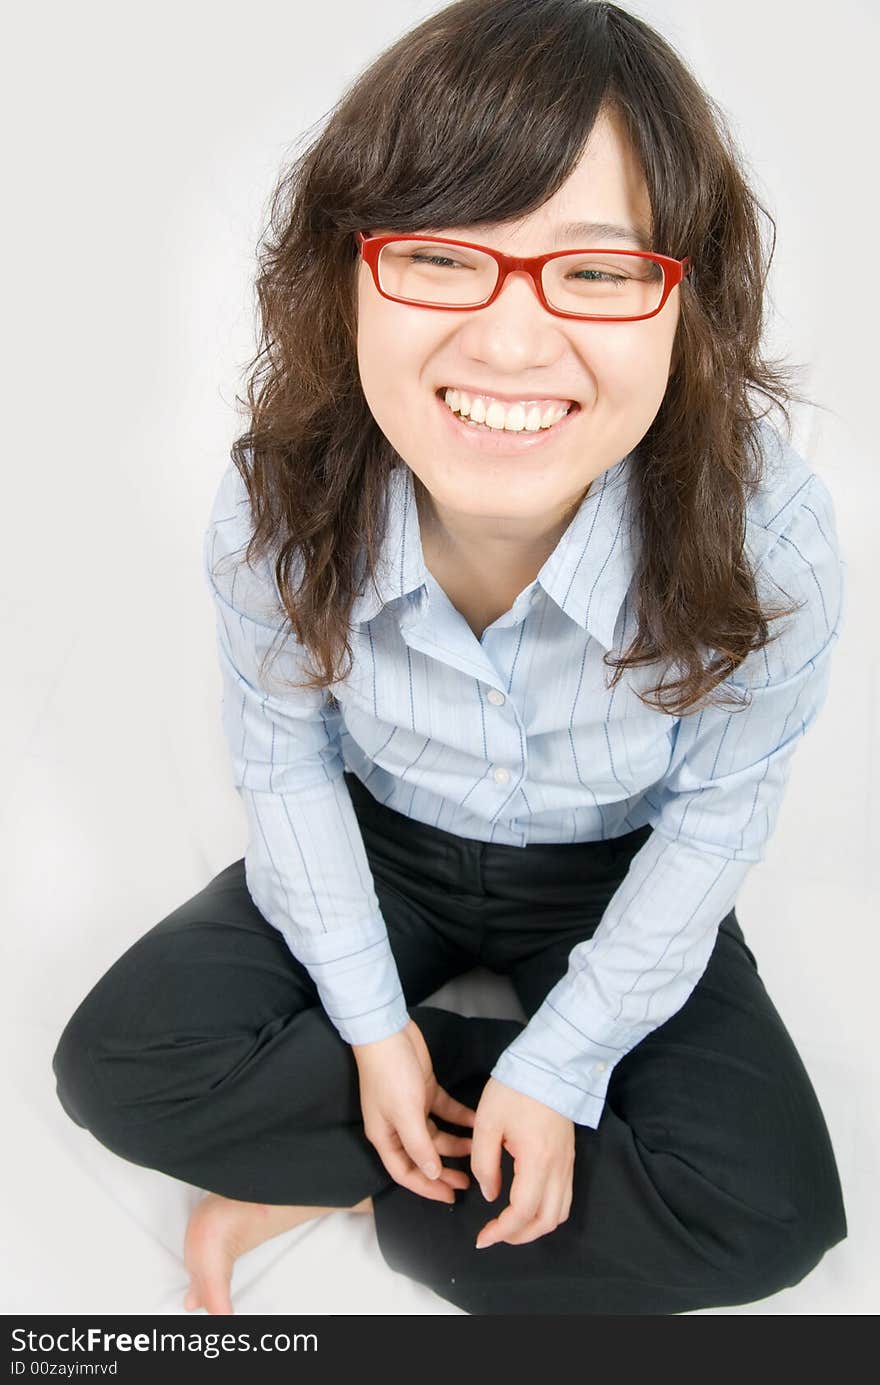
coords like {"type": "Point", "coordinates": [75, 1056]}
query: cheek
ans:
{"type": "Point", "coordinates": [632, 376]}
{"type": "Point", "coordinates": [375, 354]}
{"type": "Point", "coordinates": [634, 364]}
{"type": "Point", "coordinates": [389, 368]}
{"type": "Point", "coordinates": [394, 348]}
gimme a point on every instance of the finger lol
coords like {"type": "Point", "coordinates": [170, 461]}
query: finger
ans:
{"type": "Point", "coordinates": [536, 1228]}
{"type": "Point", "coordinates": [408, 1175]}
{"type": "Point", "coordinates": [455, 1178]}
{"type": "Point", "coordinates": [453, 1146]}
{"type": "Point", "coordinates": [565, 1209]}
{"type": "Point", "coordinates": [405, 1172]}
{"type": "Point", "coordinates": [414, 1135]}
{"type": "Point", "coordinates": [433, 1189]}
{"type": "Point", "coordinates": [451, 1110]}
{"type": "Point", "coordinates": [505, 1227]}
{"type": "Point", "coordinates": [486, 1143]}
{"type": "Point", "coordinates": [551, 1215]}
{"type": "Point", "coordinates": [448, 1143]}
{"type": "Point", "coordinates": [527, 1197]}
{"type": "Point", "coordinates": [450, 1178]}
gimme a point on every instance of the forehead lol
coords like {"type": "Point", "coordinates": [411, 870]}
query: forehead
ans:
{"type": "Point", "coordinates": [608, 172]}
{"type": "Point", "coordinates": [604, 196]}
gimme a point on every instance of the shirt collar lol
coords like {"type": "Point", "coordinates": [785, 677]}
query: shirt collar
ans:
{"type": "Point", "coordinates": [588, 574]}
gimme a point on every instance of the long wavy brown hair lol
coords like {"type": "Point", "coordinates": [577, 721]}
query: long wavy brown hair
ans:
{"type": "Point", "coordinates": [479, 114]}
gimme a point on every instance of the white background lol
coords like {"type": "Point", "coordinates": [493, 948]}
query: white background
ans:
{"type": "Point", "coordinates": [141, 145]}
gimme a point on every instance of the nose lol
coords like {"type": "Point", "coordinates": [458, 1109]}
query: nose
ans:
{"type": "Point", "coordinates": [519, 274]}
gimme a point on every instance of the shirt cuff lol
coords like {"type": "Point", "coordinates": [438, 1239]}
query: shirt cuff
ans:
{"type": "Point", "coordinates": [523, 1066]}
{"type": "Point", "coordinates": [357, 979]}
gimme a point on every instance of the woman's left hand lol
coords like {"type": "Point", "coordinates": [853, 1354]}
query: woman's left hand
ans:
{"type": "Point", "coordinates": [541, 1143]}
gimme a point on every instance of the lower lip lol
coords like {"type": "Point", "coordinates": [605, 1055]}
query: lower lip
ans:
{"type": "Point", "coordinates": [500, 442]}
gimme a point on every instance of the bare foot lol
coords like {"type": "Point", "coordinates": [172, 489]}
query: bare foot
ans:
{"type": "Point", "coordinates": [220, 1229]}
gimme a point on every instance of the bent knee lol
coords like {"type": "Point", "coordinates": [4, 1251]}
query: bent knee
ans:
{"type": "Point", "coordinates": [72, 1067]}
{"type": "Point", "coordinates": [86, 1081]}
{"type": "Point", "coordinates": [748, 1251]}
{"type": "Point", "coordinates": [775, 1260]}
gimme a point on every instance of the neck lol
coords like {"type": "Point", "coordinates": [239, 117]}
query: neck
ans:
{"type": "Point", "coordinates": [506, 546]}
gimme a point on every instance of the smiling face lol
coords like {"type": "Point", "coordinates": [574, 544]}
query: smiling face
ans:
{"type": "Point", "coordinates": [616, 372]}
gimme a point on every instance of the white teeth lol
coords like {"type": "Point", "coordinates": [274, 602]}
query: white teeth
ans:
{"type": "Point", "coordinates": [512, 418]}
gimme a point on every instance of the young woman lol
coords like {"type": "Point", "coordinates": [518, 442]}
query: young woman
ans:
{"type": "Point", "coordinates": [505, 437]}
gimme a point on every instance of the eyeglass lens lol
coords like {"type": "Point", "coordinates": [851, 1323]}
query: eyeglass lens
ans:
{"type": "Point", "coordinates": [601, 283]}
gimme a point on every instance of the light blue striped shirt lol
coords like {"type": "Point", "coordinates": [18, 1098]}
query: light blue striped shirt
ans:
{"type": "Point", "coordinates": [514, 737]}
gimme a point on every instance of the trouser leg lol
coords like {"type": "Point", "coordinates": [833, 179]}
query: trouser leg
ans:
{"type": "Point", "coordinates": [710, 1180]}
{"type": "Point", "coordinates": [204, 1052]}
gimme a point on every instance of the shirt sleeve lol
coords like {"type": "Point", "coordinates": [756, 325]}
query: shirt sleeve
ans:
{"type": "Point", "coordinates": [306, 866]}
{"type": "Point", "coordinates": [716, 808]}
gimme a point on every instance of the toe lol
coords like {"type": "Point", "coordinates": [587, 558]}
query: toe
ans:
{"type": "Point", "coordinates": [216, 1297]}
{"type": "Point", "coordinates": [193, 1298]}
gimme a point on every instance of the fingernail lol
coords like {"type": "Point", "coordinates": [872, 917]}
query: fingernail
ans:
{"type": "Point", "coordinates": [431, 1170]}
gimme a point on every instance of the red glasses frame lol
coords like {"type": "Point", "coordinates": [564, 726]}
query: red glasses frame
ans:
{"type": "Point", "coordinates": [673, 273]}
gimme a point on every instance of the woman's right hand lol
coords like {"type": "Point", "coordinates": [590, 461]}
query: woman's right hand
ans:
{"type": "Point", "coordinates": [399, 1094]}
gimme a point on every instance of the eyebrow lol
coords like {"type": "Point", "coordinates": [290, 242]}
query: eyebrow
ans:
{"type": "Point", "coordinates": [600, 231]}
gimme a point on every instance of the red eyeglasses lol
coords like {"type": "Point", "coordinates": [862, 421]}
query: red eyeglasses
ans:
{"type": "Point", "coordinates": [593, 284]}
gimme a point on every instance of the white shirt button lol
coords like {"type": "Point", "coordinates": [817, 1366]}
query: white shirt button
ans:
{"type": "Point", "coordinates": [496, 698]}
{"type": "Point", "coordinates": [501, 776]}
{"type": "Point", "coordinates": [600, 1067]}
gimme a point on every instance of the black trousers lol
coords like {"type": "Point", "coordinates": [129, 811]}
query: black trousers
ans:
{"type": "Point", "coordinates": [204, 1052]}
